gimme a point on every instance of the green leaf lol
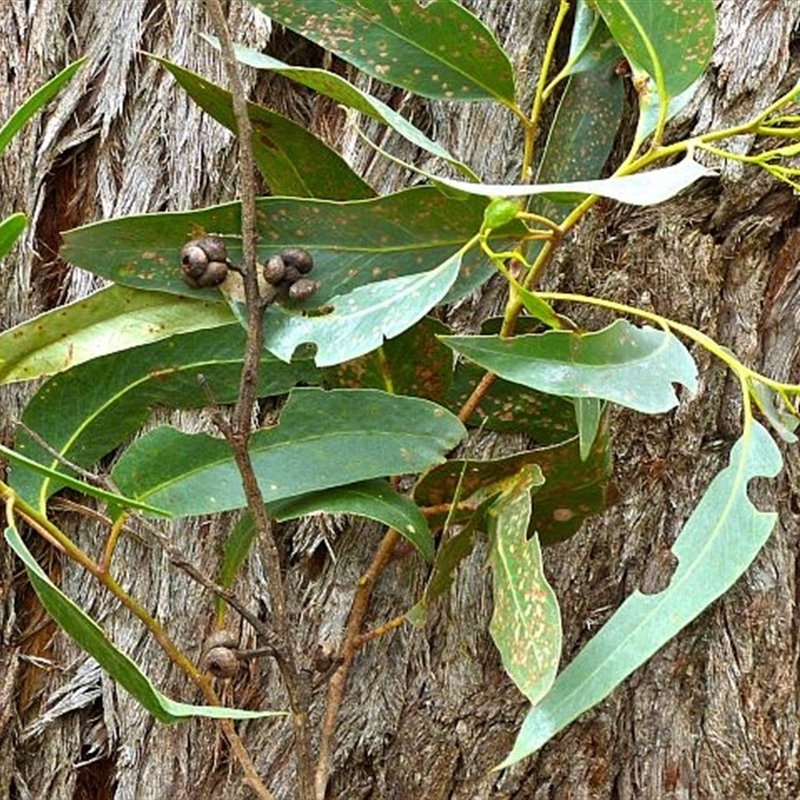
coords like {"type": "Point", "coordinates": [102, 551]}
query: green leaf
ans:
{"type": "Point", "coordinates": [573, 489]}
{"type": "Point", "coordinates": [436, 50]}
{"type": "Point", "coordinates": [641, 189]}
{"type": "Point", "coordinates": [112, 319]}
{"type": "Point", "coordinates": [290, 158]}
{"type": "Point", "coordinates": [371, 499]}
{"type": "Point", "coordinates": [779, 410]}
{"type": "Point", "coordinates": [650, 108]}
{"type": "Point", "coordinates": [526, 623]}
{"type": "Point", "coordinates": [306, 452]}
{"type": "Point", "coordinates": [234, 553]}
{"type": "Point", "coordinates": [592, 47]}
{"type": "Point", "coordinates": [717, 544]}
{"type": "Point", "coordinates": [630, 366]}
{"type": "Point", "coordinates": [10, 230]}
{"type": "Point", "coordinates": [674, 39]}
{"type": "Point", "coordinates": [588, 415]}
{"type": "Point", "coordinates": [86, 412]}
{"type": "Point", "coordinates": [580, 139]}
{"type": "Point", "coordinates": [113, 500]}
{"type": "Point", "coordinates": [37, 101]}
{"type": "Point", "coordinates": [414, 363]}
{"type": "Point", "coordinates": [125, 672]}
{"type": "Point", "coordinates": [359, 321]}
{"type": "Point", "coordinates": [337, 88]}
{"type": "Point", "coordinates": [353, 243]}
{"type": "Point", "coordinates": [511, 408]}
{"type": "Point", "coordinates": [448, 556]}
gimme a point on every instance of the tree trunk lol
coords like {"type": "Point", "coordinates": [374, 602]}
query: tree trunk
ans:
{"type": "Point", "coordinates": [427, 712]}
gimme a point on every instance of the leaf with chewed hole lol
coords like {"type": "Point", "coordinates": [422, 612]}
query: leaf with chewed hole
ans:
{"type": "Point", "coordinates": [526, 623]}
{"type": "Point", "coordinates": [719, 541]}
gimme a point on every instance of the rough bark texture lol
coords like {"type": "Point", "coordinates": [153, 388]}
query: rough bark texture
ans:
{"type": "Point", "coordinates": [427, 712]}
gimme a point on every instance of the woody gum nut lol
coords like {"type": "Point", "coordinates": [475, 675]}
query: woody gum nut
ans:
{"type": "Point", "coordinates": [298, 258]}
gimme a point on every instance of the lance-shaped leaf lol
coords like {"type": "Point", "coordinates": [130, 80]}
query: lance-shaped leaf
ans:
{"type": "Point", "coordinates": [10, 230]}
{"type": "Point", "coordinates": [337, 88]}
{"type": "Point", "coordinates": [352, 243]}
{"type": "Point", "coordinates": [371, 499]}
{"type": "Point", "coordinates": [115, 501]}
{"type": "Point", "coordinates": [358, 322]}
{"type": "Point", "coordinates": [670, 41]}
{"type": "Point", "coordinates": [91, 638]}
{"type": "Point", "coordinates": [86, 412]}
{"type": "Point", "coordinates": [526, 623]}
{"type": "Point", "coordinates": [37, 101]}
{"type": "Point", "coordinates": [112, 319]}
{"type": "Point", "coordinates": [415, 363]}
{"type": "Point", "coordinates": [717, 544]}
{"type": "Point", "coordinates": [630, 366]}
{"type": "Point", "coordinates": [573, 489]}
{"type": "Point", "coordinates": [291, 159]}
{"type": "Point", "coordinates": [436, 49]}
{"type": "Point", "coordinates": [641, 189]}
{"type": "Point", "coordinates": [323, 439]}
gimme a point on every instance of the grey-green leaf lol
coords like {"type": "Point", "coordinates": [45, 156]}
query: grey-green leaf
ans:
{"type": "Point", "coordinates": [371, 499]}
{"type": "Point", "coordinates": [357, 323]}
{"type": "Point", "coordinates": [112, 319]}
{"type": "Point", "coordinates": [337, 88]}
{"type": "Point", "coordinates": [717, 544]}
{"type": "Point", "coordinates": [88, 634]}
{"type": "Point", "coordinates": [89, 410]}
{"type": "Point", "coordinates": [323, 439]}
{"type": "Point", "coordinates": [630, 366]}
{"type": "Point", "coordinates": [10, 230]}
{"type": "Point", "coordinates": [526, 623]}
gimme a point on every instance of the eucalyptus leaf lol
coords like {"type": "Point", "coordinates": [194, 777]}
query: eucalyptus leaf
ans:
{"type": "Point", "coordinates": [323, 439]}
{"type": "Point", "coordinates": [115, 501]}
{"type": "Point", "coordinates": [110, 320]}
{"type": "Point", "coordinates": [633, 367]}
{"type": "Point", "coordinates": [359, 321]}
{"type": "Point", "coordinates": [337, 88]}
{"type": "Point", "coordinates": [86, 412]}
{"type": "Point", "coordinates": [374, 499]}
{"type": "Point", "coordinates": [352, 243]}
{"type": "Point", "coordinates": [91, 638]}
{"type": "Point", "coordinates": [290, 158]}
{"type": "Point", "coordinates": [717, 544]}
{"type": "Point", "coordinates": [526, 622]}
{"type": "Point", "coordinates": [673, 39]}
{"type": "Point", "coordinates": [36, 102]}
{"type": "Point", "coordinates": [437, 49]}
{"type": "Point", "coordinates": [10, 230]}
{"type": "Point", "coordinates": [641, 189]}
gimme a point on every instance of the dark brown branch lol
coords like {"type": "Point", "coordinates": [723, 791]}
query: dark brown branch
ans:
{"type": "Point", "coordinates": [297, 686]}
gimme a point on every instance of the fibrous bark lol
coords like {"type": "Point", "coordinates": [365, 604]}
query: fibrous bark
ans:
{"type": "Point", "coordinates": [429, 711]}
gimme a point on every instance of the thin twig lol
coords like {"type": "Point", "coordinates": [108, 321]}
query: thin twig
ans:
{"type": "Point", "coordinates": [297, 686]}
{"type": "Point", "coordinates": [347, 653]}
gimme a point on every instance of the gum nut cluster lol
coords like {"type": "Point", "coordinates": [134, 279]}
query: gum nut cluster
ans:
{"type": "Point", "coordinates": [204, 263]}
{"type": "Point", "coordinates": [288, 273]}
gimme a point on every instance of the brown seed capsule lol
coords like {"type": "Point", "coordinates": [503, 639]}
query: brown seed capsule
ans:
{"type": "Point", "coordinates": [221, 638]}
{"type": "Point", "coordinates": [221, 662]}
{"type": "Point", "coordinates": [201, 263]}
{"type": "Point", "coordinates": [274, 270]}
{"type": "Point", "coordinates": [302, 289]}
{"type": "Point", "coordinates": [215, 248]}
{"type": "Point", "coordinates": [299, 258]}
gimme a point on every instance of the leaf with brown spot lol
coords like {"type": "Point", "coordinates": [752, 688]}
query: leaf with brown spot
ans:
{"type": "Point", "coordinates": [526, 623]}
